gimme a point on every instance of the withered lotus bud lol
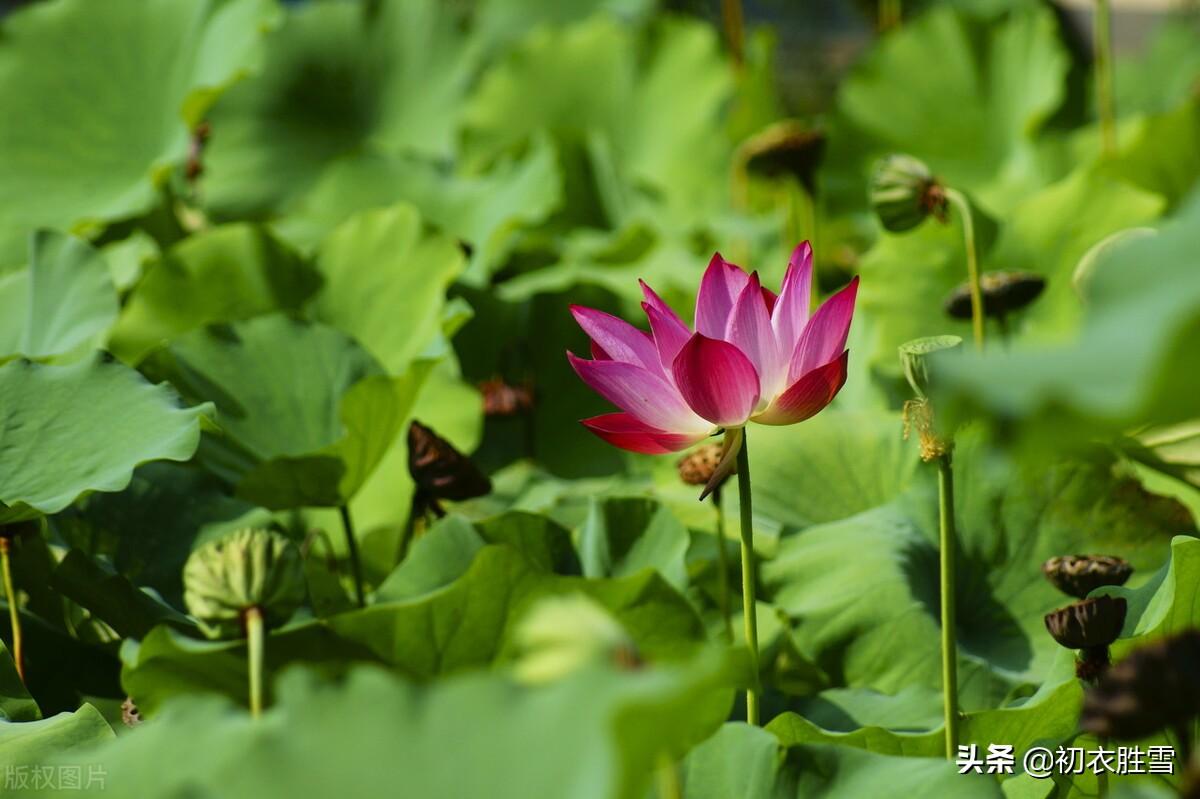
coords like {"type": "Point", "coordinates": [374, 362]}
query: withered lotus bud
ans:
{"type": "Point", "coordinates": [1079, 575]}
{"type": "Point", "coordinates": [130, 714]}
{"type": "Point", "coordinates": [788, 147]}
{"type": "Point", "coordinates": [1153, 689]}
{"type": "Point", "coordinates": [1090, 626]}
{"type": "Point", "coordinates": [904, 193]}
{"type": "Point", "coordinates": [698, 466]}
{"type": "Point", "coordinates": [1002, 294]}
{"type": "Point", "coordinates": [503, 399]}
{"type": "Point", "coordinates": [441, 471]}
{"type": "Point", "coordinates": [250, 568]}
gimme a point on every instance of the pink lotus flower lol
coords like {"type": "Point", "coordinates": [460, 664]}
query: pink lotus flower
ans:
{"type": "Point", "coordinates": [755, 357]}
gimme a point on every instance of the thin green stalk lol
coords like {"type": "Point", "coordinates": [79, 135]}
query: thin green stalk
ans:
{"type": "Point", "coordinates": [748, 602]}
{"type": "Point", "coordinates": [14, 615]}
{"type": "Point", "coordinates": [1102, 62]}
{"type": "Point", "coordinates": [355, 563]}
{"type": "Point", "coordinates": [254, 647]}
{"type": "Point", "coordinates": [722, 568]}
{"type": "Point", "coordinates": [959, 201]}
{"type": "Point", "coordinates": [889, 14]}
{"type": "Point", "coordinates": [947, 545]}
{"type": "Point", "coordinates": [667, 778]}
{"type": "Point", "coordinates": [734, 21]}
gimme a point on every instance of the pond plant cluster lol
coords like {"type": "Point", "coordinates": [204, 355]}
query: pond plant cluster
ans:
{"type": "Point", "coordinates": [516, 398]}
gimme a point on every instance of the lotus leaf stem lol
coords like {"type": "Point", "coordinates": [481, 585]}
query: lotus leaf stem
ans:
{"type": "Point", "coordinates": [14, 615]}
{"type": "Point", "coordinates": [947, 546]}
{"type": "Point", "coordinates": [748, 600]}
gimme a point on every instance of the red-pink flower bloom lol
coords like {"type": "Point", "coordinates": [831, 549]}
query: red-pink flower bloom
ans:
{"type": "Point", "coordinates": [755, 357]}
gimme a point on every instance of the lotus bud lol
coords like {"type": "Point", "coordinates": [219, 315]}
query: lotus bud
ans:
{"type": "Point", "coordinates": [1153, 689]}
{"type": "Point", "coordinates": [904, 193]}
{"type": "Point", "coordinates": [441, 471]}
{"type": "Point", "coordinates": [1089, 626]}
{"type": "Point", "coordinates": [1079, 575]}
{"type": "Point", "coordinates": [561, 635]}
{"type": "Point", "coordinates": [251, 568]}
{"type": "Point", "coordinates": [787, 147]}
{"type": "Point", "coordinates": [1002, 292]}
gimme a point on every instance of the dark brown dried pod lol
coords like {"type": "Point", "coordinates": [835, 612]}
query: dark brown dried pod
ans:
{"type": "Point", "coordinates": [1155, 688]}
{"type": "Point", "coordinates": [130, 713]}
{"type": "Point", "coordinates": [1003, 293]}
{"type": "Point", "coordinates": [503, 399]}
{"type": "Point", "coordinates": [1079, 575]}
{"type": "Point", "coordinates": [697, 467]}
{"type": "Point", "coordinates": [441, 471]}
{"type": "Point", "coordinates": [787, 147]}
{"type": "Point", "coordinates": [1089, 623]}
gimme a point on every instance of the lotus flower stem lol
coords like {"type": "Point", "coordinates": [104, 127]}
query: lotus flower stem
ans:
{"type": "Point", "coordinates": [748, 601]}
{"type": "Point", "coordinates": [889, 14]}
{"type": "Point", "coordinates": [1102, 62]}
{"type": "Point", "coordinates": [964, 210]}
{"type": "Point", "coordinates": [667, 778]}
{"type": "Point", "coordinates": [947, 546]}
{"type": "Point", "coordinates": [734, 21]}
{"type": "Point", "coordinates": [14, 616]}
{"type": "Point", "coordinates": [253, 620]}
{"type": "Point", "coordinates": [352, 547]}
{"type": "Point", "coordinates": [722, 568]}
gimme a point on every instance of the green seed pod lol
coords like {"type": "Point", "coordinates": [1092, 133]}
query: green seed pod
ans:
{"type": "Point", "coordinates": [904, 193]}
{"type": "Point", "coordinates": [251, 568]}
{"type": "Point", "coordinates": [561, 635]}
{"type": "Point", "coordinates": [1002, 294]}
{"type": "Point", "coordinates": [914, 357]}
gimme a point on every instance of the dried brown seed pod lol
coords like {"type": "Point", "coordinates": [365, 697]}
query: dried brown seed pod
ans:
{"type": "Point", "coordinates": [441, 471]}
{"type": "Point", "coordinates": [697, 467]}
{"type": "Point", "coordinates": [1154, 688]}
{"type": "Point", "coordinates": [1002, 292]}
{"type": "Point", "coordinates": [1089, 626]}
{"type": "Point", "coordinates": [1079, 575]}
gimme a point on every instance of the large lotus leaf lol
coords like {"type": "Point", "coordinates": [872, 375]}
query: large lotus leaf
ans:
{"type": "Point", "coordinates": [69, 430]}
{"type": "Point", "coordinates": [652, 120]}
{"type": "Point", "coordinates": [67, 734]}
{"type": "Point", "coordinates": [752, 763]}
{"type": "Point", "coordinates": [223, 274]}
{"type": "Point", "coordinates": [597, 735]}
{"type": "Point", "coordinates": [465, 624]}
{"type": "Point", "coordinates": [1163, 74]}
{"type": "Point", "coordinates": [110, 597]}
{"type": "Point", "coordinates": [1046, 233]}
{"type": "Point", "coordinates": [385, 279]}
{"type": "Point", "coordinates": [118, 113]}
{"type": "Point", "coordinates": [863, 591]}
{"type": "Point", "coordinates": [1161, 155]}
{"type": "Point", "coordinates": [273, 134]}
{"type": "Point", "coordinates": [63, 302]}
{"type": "Point", "coordinates": [624, 535]}
{"type": "Point", "coordinates": [305, 412]}
{"type": "Point", "coordinates": [487, 210]}
{"type": "Point", "coordinates": [973, 118]}
{"type": "Point", "coordinates": [15, 702]}
{"type": "Point", "coordinates": [1132, 361]}
{"type": "Point", "coordinates": [502, 21]}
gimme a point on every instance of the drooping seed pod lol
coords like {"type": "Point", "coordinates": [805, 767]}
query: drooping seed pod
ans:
{"type": "Point", "coordinates": [1002, 293]}
{"type": "Point", "coordinates": [904, 193]}
{"type": "Point", "coordinates": [560, 635]}
{"type": "Point", "coordinates": [1154, 688]}
{"type": "Point", "coordinates": [250, 568]}
{"type": "Point", "coordinates": [698, 466]}
{"type": "Point", "coordinates": [504, 399]}
{"type": "Point", "coordinates": [787, 147]}
{"type": "Point", "coordinates": [1090, 626]}
{"type": "Point", "coordinates": [1079, 575]}
{"type": "Point", "coordinates": [440, 471]}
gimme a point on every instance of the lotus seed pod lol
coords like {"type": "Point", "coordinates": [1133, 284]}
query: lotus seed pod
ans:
{"type": "Point", "coordinates": [1088, 623]}
{"type": "Point", "coordinates": [904, 193]}
{"type": "Point", "coordinates": [1002, 294]}
{"type": "Point", "coordinates": [1153, 689]}
{"type": "Point", "coordinates": [698, 466]}
{"type": "Point", "coordinates": [914, 357]}
{"type": "Point", "coordinates": [249, 568]}
{"type": "Point", "coordinates": [561, 635]}
{"type": "Point", "coordinates": [1079, 575]}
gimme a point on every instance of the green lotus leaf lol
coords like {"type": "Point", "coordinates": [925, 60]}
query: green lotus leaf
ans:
{"type": "Point", "coordinates": [305, 412]}
{"type": "Point", "coordinates": [274, 133]}
{"type": "Point", "coordinates": [47, 461]}
{"type": "Point", "coordinates": [30, 743]}
{"type": "Point", "coordinates": [15, 702]}
{"type": "Point", "coordinates": [224, 274]}
{"type": "Point", "coordinates": [138, 74]}
{"type": "Point", "coordinates": [110, 597]}
{"type": "Point", "coordinates": [624, 535]}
